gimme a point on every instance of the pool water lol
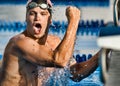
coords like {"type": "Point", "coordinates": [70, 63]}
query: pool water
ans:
{"type": "Point", "coordinates": [85, 47]}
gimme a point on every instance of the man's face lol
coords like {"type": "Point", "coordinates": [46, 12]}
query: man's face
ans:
{"type": "Point", "coordinates": [37, 22]}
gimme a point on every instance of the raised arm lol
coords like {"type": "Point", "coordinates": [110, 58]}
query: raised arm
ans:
{"type": "Point", "coordinates": [42, 55]}
{"type": "Point", "coordinates": [64, 51]}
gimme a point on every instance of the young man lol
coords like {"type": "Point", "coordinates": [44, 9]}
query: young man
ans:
{"type": "Point", "coordinates": [33, 52]}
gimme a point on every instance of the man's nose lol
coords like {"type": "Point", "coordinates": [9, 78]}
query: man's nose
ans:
{"type": "Point", "coordinates": [37, 17]}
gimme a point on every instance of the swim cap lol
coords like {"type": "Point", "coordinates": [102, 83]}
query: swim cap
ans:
{"type": "Point", "coordinates": [43, 4]}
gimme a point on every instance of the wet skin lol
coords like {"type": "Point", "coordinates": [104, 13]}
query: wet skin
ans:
{"type": "Point", "coordinates": [34, 47]}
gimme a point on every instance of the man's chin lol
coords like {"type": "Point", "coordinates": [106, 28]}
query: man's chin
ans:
{"type": "Point", "coordinates": [38, 36]}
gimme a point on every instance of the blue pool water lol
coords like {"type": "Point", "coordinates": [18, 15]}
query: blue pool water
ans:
{"type": "Point", "coordinates": [85, 47]}
{"type": "Point", "coordinates": [65, 2]}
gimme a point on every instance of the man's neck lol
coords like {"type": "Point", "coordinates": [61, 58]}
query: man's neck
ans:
{"type": "Point", "coordinates": [41, 40]}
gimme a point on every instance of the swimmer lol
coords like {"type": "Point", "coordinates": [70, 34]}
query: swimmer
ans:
{"type": "Point", "coordinates": [33, 51]}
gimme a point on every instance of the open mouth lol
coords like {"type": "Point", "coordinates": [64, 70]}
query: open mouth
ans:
{"type": "Point", "coordinates": [37, 25]}
{"type": "Point", "coordinates": [37, 28]}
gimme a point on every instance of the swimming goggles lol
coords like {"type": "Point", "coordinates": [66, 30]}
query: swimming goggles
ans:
{"type": "Point", "coordinates": [41, 5]}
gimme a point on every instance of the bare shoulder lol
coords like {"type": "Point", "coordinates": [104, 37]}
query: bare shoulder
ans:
{"type": "Point", "coordinates": [17, 37]}
{"type": "Point", "coordinates": [13, 41]}
{"type": "Point", "coordinates": [54, 38]}
{"type": "Point", "coordinates": [53, 41]}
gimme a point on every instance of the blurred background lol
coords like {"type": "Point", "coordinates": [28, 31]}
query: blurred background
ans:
{"type": "Point", "coordinates": [95, 14]}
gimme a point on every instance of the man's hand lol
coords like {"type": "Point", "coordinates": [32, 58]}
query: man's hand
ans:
{"type": "Point", "coordinates": [49, 2]}
{"type": "Point", "coordinates": [72, 13]}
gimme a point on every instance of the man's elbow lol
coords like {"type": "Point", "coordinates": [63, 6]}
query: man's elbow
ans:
{"type": "Point", "coordinates": [60, 61]}
{"type": "Point", "coordinates": [61, 64]}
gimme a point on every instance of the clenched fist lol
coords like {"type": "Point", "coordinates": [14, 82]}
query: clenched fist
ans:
{"type": "Point", "coordinates": [72, 13]}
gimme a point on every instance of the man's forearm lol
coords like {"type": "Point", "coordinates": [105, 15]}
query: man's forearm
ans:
{"type": "Point", "coordinates": [81, 70]}
{"type": "Point", "coordinates": [65, 49]}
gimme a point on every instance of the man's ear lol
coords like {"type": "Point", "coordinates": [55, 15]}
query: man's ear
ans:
{"type": "Point", "coordinates": [50, 21]}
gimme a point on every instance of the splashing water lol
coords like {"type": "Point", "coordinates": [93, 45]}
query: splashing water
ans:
{"type": "Point", "coordinates": [60, 77]}
{"type": "Point", "coordinates": [57, 77]}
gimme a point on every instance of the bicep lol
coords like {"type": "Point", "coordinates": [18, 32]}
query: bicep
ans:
{"type": "Point", "coordinates": [34, 52]}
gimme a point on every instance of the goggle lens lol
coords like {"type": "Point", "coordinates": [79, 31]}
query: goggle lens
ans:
{"type": "Point", "coordinates": [41, 5]}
